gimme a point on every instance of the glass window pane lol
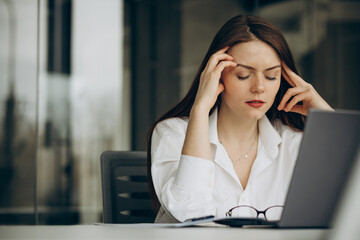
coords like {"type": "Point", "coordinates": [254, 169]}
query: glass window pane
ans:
{"type": "Point", "coordinates": [18, 109]}
{"type": "Point", "coordinates": [83, 111]}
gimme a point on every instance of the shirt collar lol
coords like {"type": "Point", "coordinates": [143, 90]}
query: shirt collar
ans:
{"type": "Point", "coordinates": [269, 137]}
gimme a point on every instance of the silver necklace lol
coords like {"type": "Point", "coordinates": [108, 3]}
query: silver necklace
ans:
{"type": "Point", "coordinates": [246, 155]}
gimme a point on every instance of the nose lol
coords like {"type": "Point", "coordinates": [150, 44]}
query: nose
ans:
{"type": "Point", "coordinates": [257, 84]}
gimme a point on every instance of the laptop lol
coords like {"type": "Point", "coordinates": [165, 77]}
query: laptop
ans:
{"type": "Point", "coordinates": [326, 156]}
{"type": "Point", "coordinates": [347, 219]}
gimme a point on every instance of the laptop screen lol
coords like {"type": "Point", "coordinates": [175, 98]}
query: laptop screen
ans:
{"type": "Point", "coordinates": [326, 156]}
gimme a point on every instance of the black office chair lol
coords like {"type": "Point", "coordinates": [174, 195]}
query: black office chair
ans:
{"type": "Point", "coordinates": [126, 198]}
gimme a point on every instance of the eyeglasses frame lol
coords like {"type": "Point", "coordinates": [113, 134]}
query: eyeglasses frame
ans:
{"type": "Point", "coordinates": [229, 213]}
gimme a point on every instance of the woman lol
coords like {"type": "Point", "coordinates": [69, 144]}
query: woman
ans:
{"type": "Point", "coordinates": [233, 140]}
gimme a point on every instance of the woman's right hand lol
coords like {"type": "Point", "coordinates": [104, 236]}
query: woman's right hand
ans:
{"type": "Point", "coordinates": [196, 142]}
{"type": "Point", "coordinates": [210, 85]}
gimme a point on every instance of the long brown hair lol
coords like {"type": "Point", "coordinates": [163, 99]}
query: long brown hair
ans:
{"type": "Point", "coordinates": [237, 30]}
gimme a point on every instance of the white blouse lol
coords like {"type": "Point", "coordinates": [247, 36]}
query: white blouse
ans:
{"type": "Point", "coordinates": [189, 187]}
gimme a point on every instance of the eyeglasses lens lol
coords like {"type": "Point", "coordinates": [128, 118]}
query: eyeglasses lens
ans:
{"type": "Point", "coordinates": [244, 212]}
{"type": "Point", "coordinates": [274, 213]}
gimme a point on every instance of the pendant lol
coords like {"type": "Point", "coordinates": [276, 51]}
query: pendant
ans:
{"type": "Point", "coordinates": [246, 156]}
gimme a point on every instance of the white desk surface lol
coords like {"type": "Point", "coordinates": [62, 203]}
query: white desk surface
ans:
{"type": "Point", "coordinates": [156, 233]}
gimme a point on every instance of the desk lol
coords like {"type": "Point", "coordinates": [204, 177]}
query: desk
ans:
{"type": "Point", "coordinates": [155, 233]}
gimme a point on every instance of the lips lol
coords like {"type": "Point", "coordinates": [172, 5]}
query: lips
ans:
{"type": "Point", "coordinates": [255, 103]}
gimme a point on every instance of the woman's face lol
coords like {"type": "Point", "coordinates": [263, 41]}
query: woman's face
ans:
{"type": "Point", "coordinates": [251, 87]}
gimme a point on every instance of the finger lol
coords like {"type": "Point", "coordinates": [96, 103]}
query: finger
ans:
{"type": "Point", "coordinates": [220, 88]}
{"type": "Point", "coordinates": [223, 50]}
{"type": "Point", "coordinates": [222, 65]}
{"type": "Point", "coordinates": [296, 79]}
{"type": "Point", "coordinates": [287, 78]}
{"type": "Point", "coordinates": [219, 52]}
{"type": "Point", "coordinates": [216, 58]}
{"type": "Point", "coordinates": [294, 101]}
{"type": "Point", "coordinates": [289, 93]}
{"type": "Point", "coordinates": [298, 109]}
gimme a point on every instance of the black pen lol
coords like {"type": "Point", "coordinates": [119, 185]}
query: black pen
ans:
{"type": "Point", "coordinates": [199, 218]}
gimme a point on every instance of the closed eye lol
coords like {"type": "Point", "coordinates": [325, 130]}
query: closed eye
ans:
{"type": "Point", "coordinates": [270, 78]}
{"type": "Point", "coordinates": [243, 78]}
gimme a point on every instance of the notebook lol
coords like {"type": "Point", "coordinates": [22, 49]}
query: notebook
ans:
{"type": "Point", "coordinates": [326, 156]}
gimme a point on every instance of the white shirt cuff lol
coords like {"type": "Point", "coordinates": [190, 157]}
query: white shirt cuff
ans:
{"type": "Point", "coordinates": [195, 174]}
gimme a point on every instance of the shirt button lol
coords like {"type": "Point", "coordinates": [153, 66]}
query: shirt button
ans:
{"type": "Point", "coordinates": [242, 199]}
{"type": "Point", "coordinates": [211, 170]}
{"type": "Point", "coordinates": [209, 184]}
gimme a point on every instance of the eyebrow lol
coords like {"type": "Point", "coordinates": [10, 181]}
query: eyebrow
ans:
{"type": "Point", "coordinates": [251, 68]}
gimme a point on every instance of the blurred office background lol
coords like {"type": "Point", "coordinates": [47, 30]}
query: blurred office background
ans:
{"type": "Point", "coordinates": [78, 77]}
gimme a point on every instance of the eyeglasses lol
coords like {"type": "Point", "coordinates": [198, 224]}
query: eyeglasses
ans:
{"type": "Point", "coordinates": [272, 213]}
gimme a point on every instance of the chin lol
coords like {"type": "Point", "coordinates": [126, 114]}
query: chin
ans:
{"type": "Point", "coordinates": [258, 113]}
{"type": "Point", "coordinates": [254, 115]}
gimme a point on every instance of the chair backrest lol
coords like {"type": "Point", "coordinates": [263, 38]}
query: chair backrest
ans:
{"type": "Point", "coordinates": [126, 198]}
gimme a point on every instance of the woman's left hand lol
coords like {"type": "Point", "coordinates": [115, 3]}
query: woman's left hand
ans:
{"type": "Point", "coordinates": [300, 91]}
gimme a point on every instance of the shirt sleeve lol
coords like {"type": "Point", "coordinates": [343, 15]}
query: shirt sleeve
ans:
{"type": "Point", "coordinates": [182, 183]}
